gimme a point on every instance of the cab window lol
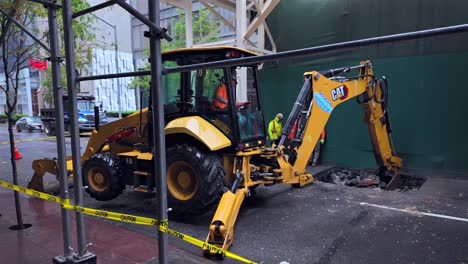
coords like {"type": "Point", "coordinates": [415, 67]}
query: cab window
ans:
{"type": "Point", "coordinates": [171, 86]}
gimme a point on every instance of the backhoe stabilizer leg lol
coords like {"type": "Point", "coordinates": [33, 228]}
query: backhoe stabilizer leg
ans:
{"type": "Point", "coordinates": [221, 234]}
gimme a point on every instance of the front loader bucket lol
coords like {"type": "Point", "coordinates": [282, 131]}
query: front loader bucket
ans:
{"type": "Point", "coordinates": [41, 167]}
{"type": "Point", "coordinates": [37, 182]}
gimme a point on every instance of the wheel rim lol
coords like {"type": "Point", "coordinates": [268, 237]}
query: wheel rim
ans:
{"type": "Point", "coordinates": [181, 180]}
{"type": "Point", "coordinates": [96, 179]}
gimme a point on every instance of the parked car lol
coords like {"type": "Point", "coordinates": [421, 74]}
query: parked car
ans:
{"type": "Point", "coordinates": [29, 123]}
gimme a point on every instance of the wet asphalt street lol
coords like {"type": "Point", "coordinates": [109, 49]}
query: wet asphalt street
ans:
{"type": "Point", "coordinates": [320, 223]}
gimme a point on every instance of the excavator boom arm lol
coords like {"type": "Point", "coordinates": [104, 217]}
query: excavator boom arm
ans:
{"type": "Point", "coordinates": [327, 91]}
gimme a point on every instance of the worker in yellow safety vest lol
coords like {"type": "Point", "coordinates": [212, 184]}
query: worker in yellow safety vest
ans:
{"type": "Point", "coordinates": [275, 128]}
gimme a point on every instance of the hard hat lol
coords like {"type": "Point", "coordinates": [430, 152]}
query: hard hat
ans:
{"type": "Point", "coordinates": [279, 115]}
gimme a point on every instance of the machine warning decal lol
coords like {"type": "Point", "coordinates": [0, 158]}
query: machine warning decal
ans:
{"type": "Point", "coordinates": [339, 93]}
{"type": "Point", "coordinates": [323, 102]}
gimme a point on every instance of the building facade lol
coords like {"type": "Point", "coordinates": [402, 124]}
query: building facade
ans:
{"type": "Point", "coordinates": [109, 93]}
{"type": "Point", "coordinates": [27, 92]}
{"type": "Point", "coordinates": [112, 29]}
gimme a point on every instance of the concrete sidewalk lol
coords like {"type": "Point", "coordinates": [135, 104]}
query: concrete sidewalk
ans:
{"type": "Point", "coordinates": [43, 241]}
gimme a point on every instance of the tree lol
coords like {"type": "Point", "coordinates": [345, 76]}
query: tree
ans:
{"type": "Point", "coordinates": [16, 49]}
{"type": "Point", "coordinates": [202, 26]}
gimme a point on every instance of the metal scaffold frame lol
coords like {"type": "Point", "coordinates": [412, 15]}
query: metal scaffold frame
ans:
{"type": "Point", "coordinates": [156, 71]}
{"type": "Point", "coordinates": [155, 34]}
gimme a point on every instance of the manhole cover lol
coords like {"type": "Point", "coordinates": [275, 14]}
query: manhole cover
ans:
{"type": "Point", "coordinates": [367, 179]}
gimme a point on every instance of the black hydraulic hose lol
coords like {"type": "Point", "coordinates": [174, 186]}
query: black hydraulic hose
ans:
{"type": "Point", "coordinates": [236, 182]}
{"type": "Point", "coordinates": [365, 96]}
{"type": "Point", "coordinates": [383, 84]}
{"type": "Point", "coordinates": [384, 87]}
{"type": "Point", "coordinates": [296, 111]}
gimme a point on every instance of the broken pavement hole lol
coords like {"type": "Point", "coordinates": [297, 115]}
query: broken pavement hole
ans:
{"type": "Point", "coordinates": [362, 178]}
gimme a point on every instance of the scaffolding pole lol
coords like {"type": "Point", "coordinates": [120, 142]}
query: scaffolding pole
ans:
{"type": "Point", "coordinates": [299, 53]}
{"type": "Point", "coordinates": [60, 128]}
{"type": "Point", "coordinates": [82, 255]}
{"type": "Point", "coordinates": [159, 144]}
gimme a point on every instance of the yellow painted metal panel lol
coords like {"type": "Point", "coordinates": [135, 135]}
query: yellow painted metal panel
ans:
{"type": "Point", "coordinates": [201, 130]}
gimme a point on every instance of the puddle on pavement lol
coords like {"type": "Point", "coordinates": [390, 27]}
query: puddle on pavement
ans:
{"type": "Point", "coordinates": [361, 178]}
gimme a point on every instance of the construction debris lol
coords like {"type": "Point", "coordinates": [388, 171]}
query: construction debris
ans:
{"type": "Point", "coordinates": [366, 179]}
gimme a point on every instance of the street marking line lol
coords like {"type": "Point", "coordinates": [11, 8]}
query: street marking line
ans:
{"type": "Point", "coordinates": [33, 139]}
{"type": "Point", "coordinates": [417, 213]}
{"type": "Point", "coordinates": [140, 220]}
{"type": "Point", "coordinates": [26, 140]}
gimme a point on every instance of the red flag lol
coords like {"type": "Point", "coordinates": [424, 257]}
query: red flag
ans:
{"type": "Point", "coordinates": [38, 64]}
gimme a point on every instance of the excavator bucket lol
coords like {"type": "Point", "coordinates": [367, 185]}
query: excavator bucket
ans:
{"type": "Point", "coordinates": [392, 176]}
{"type": "Point", "coordinates": [41, 167]}
{"type": "Point", "coordinates": [394, 183]}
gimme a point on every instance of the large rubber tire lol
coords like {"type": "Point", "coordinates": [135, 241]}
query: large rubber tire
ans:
{"type": "Point", "coordinates": [194, 181]}
{"type": "Point", "coordinates": [49, 129]}
{"type": "Point", "coordinates": [100, 175]}
{"type": "Point", "coordinates": [18, 129]}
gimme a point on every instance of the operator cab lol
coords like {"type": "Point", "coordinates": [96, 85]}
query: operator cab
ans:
{"type": "Point", "coordinates": [215, 94]}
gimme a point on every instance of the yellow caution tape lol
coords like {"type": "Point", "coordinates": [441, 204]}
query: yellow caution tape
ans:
{"type": "Point", "coordinates": [139, 220]}
{"type": "Point", "coordinates": [202, 244]}
{"type": "Point", "coordinates": [41, 195]}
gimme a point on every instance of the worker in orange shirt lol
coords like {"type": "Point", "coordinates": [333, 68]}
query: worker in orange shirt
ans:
{"type": "Point", "coordinates": [220, 96]}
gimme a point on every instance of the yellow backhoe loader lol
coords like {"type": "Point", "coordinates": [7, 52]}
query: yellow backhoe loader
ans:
{"type": "Point", "coordinates": [215, 151]}
{"type": "Point", "coordinates": [200, 137]}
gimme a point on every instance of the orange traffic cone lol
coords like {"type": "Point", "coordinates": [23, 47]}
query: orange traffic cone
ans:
{"type": "Point", "coordinates": [17, 154]}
